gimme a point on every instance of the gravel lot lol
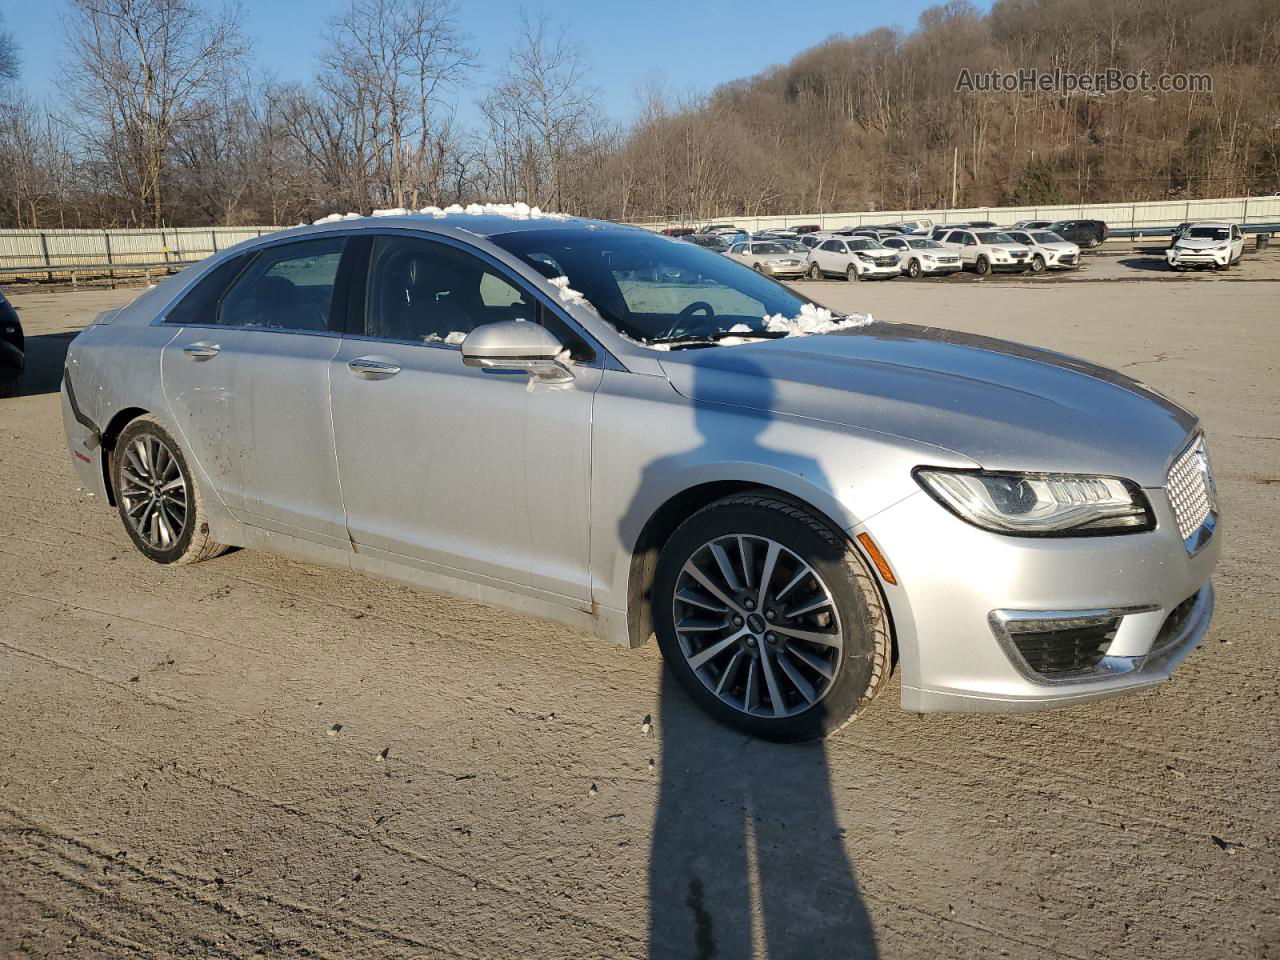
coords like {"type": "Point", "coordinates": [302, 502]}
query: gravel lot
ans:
{"type": "Point", "coordinates": [257, 756]}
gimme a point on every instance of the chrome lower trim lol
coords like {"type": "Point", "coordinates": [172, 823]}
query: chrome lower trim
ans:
{"type": "Point", "coordinates": [1003, 623]}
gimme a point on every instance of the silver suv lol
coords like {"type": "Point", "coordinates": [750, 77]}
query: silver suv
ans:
{"type": "Point", "coordinates": [634, 436]}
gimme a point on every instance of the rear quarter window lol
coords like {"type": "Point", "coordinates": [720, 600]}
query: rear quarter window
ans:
{"type": "Point", "coordinates": [200, 304]}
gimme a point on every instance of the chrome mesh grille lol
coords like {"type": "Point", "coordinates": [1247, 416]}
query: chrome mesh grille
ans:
{"type": "Point", "coordinates": [1190, 487]}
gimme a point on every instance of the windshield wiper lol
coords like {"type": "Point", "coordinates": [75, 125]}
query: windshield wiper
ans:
{"type": "Point", "coordinates": [711, 339]}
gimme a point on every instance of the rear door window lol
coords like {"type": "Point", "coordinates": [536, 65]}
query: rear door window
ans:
{"type": "Point", "coordinates": [286, 287]}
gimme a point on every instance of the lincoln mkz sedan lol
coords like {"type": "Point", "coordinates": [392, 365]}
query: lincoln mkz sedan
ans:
{"type": "Point", "coordinates": [634, 436]}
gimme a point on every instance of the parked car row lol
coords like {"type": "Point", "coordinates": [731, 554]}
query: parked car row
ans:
{"type": "Point", "coordinates": [915, 248]}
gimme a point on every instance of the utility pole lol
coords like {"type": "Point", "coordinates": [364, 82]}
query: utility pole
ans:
{"type": "Point", "coordinates": [955, 161]}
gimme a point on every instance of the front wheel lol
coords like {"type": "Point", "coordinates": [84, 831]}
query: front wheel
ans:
{"type": "Point", "coordinates": [983, 266]}
{"type": "Point", "coordinates": [851, 273]}
{"type": "Point", "coordinates": [913, 269]}
{"type": "Point", "coordinates": [769, 619]}
{"type": "Point", "coordinates": [1037, 264]}
{"type": "Point", "coordinates": [157, 496]}
{"type": "Point", "coordinates": [815, 272]}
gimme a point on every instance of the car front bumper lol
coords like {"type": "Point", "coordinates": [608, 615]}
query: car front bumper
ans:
{"type": "Point", "coordinates": [873, 271]}
{"type": "Point", "coordinates": [935, 267]}
{"type": "Point", "coordinates": [1062, 261]}
{"type": "Point", "coordinates": [1010, 266]}
{"type": "Point", "coordinates": [775, 270]}
{"type": "Point", "coordinates": [958, 586]}
{"type": "Point", "coordinates": [1197, 258]}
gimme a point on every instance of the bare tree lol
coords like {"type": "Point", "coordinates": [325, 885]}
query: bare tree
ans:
{"type": "Point", "coordinates": [140, 70]}
{"type": "Point", "coordinates": [10, 60]}
{"type": "Point", "coordinates": [541, 111]}
{"type": "Point", "coordinates": [394, 61]}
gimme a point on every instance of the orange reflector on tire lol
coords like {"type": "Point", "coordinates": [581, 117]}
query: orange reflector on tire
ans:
{"type": "Point", "coordinates": [877, 558]}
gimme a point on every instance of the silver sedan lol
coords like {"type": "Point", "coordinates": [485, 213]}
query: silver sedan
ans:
{"type": "Point", "coordinates": [634, 436]}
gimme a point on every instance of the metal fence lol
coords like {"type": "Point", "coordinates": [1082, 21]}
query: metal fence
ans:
{"type": "Point", "coordinates": [59, 253]}
{"type": "Point", "coordinates": [51, 254]}
{"type": "Point", "coordinates": [1124, 217]}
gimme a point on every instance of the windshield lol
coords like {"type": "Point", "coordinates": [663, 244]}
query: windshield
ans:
{"type": "Point", "coordinates": [862, 243]}
{"type": "Point", "coordinates": [993, 237]}
{"type": "Point", "coordinates": [1208, 233]}
{"type": "Point", "coordinates": [923, 244]}
{"type": "Point", "coordinates": [652, 288]}
{"type": "Point", "coordinates": [768, 248]}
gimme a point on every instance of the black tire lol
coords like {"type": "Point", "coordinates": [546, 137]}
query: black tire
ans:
{"type": "Point", "coordinates": [8, 384]}
{"type": "Point", "coordinates": [1037, 264]}
{"type": "Point", "coordinates": [757, 268]}
{"type": "Point", "coordinates": [1092, 242]}
{"type": "Point", "coordinates": [983, 266]}
{"type": "Point", "coordinates": [865, 659]}
{"type": "Point", "coordinates": [815, 272]}
{"type": "Point", "coordinates": [913, 268]}
{"type": "Point", "coordinates": [851, 274]}
{"type": "Point", "coordinates": [192, 542]}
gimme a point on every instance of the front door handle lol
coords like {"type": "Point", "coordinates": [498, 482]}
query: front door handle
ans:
{"type": "Point", "coordinates": [371, 368]}
{"type": "Point", "coordinates": [201, 350]}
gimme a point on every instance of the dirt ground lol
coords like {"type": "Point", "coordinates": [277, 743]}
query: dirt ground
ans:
{"type": "Point", "coordinates": [260, 757]}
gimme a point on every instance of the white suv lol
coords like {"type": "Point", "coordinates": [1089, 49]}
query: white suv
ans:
{"type": "Point", "coordinates": [854, 258]}
{"type": "Point", "coordinates": [986, 251]}
{"type": "Point", "coordinates": [920, 255]}
{"type": "Point", "coordinates": [1048, 250]}
{"type": "Point", "coordinates": [1217, 245]}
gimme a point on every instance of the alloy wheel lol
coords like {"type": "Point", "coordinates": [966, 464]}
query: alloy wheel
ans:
{"type": "Point", "coordinates": [757, 626]}
{"type": "Point", "coordinates": [153, 491]}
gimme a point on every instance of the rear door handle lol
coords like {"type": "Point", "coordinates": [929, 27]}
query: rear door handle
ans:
{"type": "Point", "coordinates": [201, 350]}
{"type": "Point", "coordinates": [371, 368]}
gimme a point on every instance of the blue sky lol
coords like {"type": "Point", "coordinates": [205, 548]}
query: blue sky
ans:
{"type": "Point", "coordinates": [693, 45]}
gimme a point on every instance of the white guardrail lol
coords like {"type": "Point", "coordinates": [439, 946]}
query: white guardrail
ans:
{"type": "Point", "coordinates": [46, 254]}
{"type": "Point", "coordinates": [1117, 215]}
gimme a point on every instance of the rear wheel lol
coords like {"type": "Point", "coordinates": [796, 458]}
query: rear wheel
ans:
{"type": "Point", "coordinates": [157, 497]}
{"type": "Point", "coordinates": [1092, 242]}
{"type": "Point", "coordinates": [983, 266]}
{"type": "Point", "coordinates": [769, 619]}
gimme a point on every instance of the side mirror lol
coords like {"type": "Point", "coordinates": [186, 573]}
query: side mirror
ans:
{"type": "Point", "coordinates": [517, 345]}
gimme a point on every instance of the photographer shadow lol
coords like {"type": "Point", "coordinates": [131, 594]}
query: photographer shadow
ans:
{"type": "Point", "coordinates": [748, 858]}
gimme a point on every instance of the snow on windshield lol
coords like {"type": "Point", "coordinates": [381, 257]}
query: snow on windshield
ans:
{"type": "Point", "coordinates": [814, 319]}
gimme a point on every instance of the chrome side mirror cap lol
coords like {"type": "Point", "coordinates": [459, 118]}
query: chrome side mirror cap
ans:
{"type": "Point", "coordinates": [518, 345]}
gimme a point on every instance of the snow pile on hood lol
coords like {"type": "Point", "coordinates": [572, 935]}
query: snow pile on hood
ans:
{"type": "Point", "coordinates": [813, 319]}
{"type": "Point", "coordinates": [567, 294]}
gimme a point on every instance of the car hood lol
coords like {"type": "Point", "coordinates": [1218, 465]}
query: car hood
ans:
{"type": "Point", "coordinates": [1003, 405]}
{"type": "Point", "coordinates": [1198, 243]}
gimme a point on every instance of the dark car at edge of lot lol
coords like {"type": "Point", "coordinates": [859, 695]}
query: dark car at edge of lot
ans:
{"type": "Point", "coordinates": [1086, 233]}
{"type": "Point", "coordinates": [12, 347]}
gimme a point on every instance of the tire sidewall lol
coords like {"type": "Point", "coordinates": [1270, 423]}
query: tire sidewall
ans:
{"type": "Point", "coordinates": [143, 426]}
{"type": "Point", "coordinates": [860, 672]}
{"type": "Point", "coordinates": [913, 269]}
{"type": "Point", "coordinates": [851, 273]}
{"type": "Point", "coordinates": [1037, 264]}
{"type": "Point", "coordinates": [983, 266]}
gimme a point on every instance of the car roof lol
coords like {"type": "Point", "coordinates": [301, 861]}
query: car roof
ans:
{"type": "Point", "coordinates": [1217, 224]}
{"type": "Point", "coordinates": [477, 224]}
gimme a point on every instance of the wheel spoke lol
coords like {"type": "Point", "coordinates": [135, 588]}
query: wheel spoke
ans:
{"type": "Point", "coordinates": [707, 585]}
{"type": "Point", "coordinates": [751, 693]}
{"type": "Point", "coordinates": [726, 567]}
{"type": "Point", "coordinates": [766, 575]}
{"type": "Point", "coordinates": [700, 658]}
{"type": "Point", "coordinates": [823, 639]}
{"type": "Point", "coordinates": [700, 626]}
{"type": "Point", "coordinates": [796, 678]}
{"type": "Point", "coordinates": [814, 663]}
{"type": "Point", "coordinates": [745, 553]}
{"type": "Point", "coordinates": [691, 598]}
{"type": "Point", "coordinates": [730, 669]}
{"type": "Point", "coordinates": [792, 583]}
{"type": "Point", "coordinates": [771, 682]}
{"type": "Point", "coordinates": [821, 601]}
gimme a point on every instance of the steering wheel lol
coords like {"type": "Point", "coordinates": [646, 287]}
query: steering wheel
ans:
{"type": "Point", "coordinates": [687, 314]}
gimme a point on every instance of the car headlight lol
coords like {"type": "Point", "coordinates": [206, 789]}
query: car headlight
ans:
{"type": "Point", "coordinates": [927, 256]}
{"type": "Point", "coordinates": [1040, 504]}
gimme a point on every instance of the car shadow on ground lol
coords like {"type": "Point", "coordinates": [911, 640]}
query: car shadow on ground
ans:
{"type": "Point", "coordinates": [1153, 264]}
{"type": "Point", "coordinates": [46, 355]}
{"type": "Point", "coordinates": [748, 858]}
